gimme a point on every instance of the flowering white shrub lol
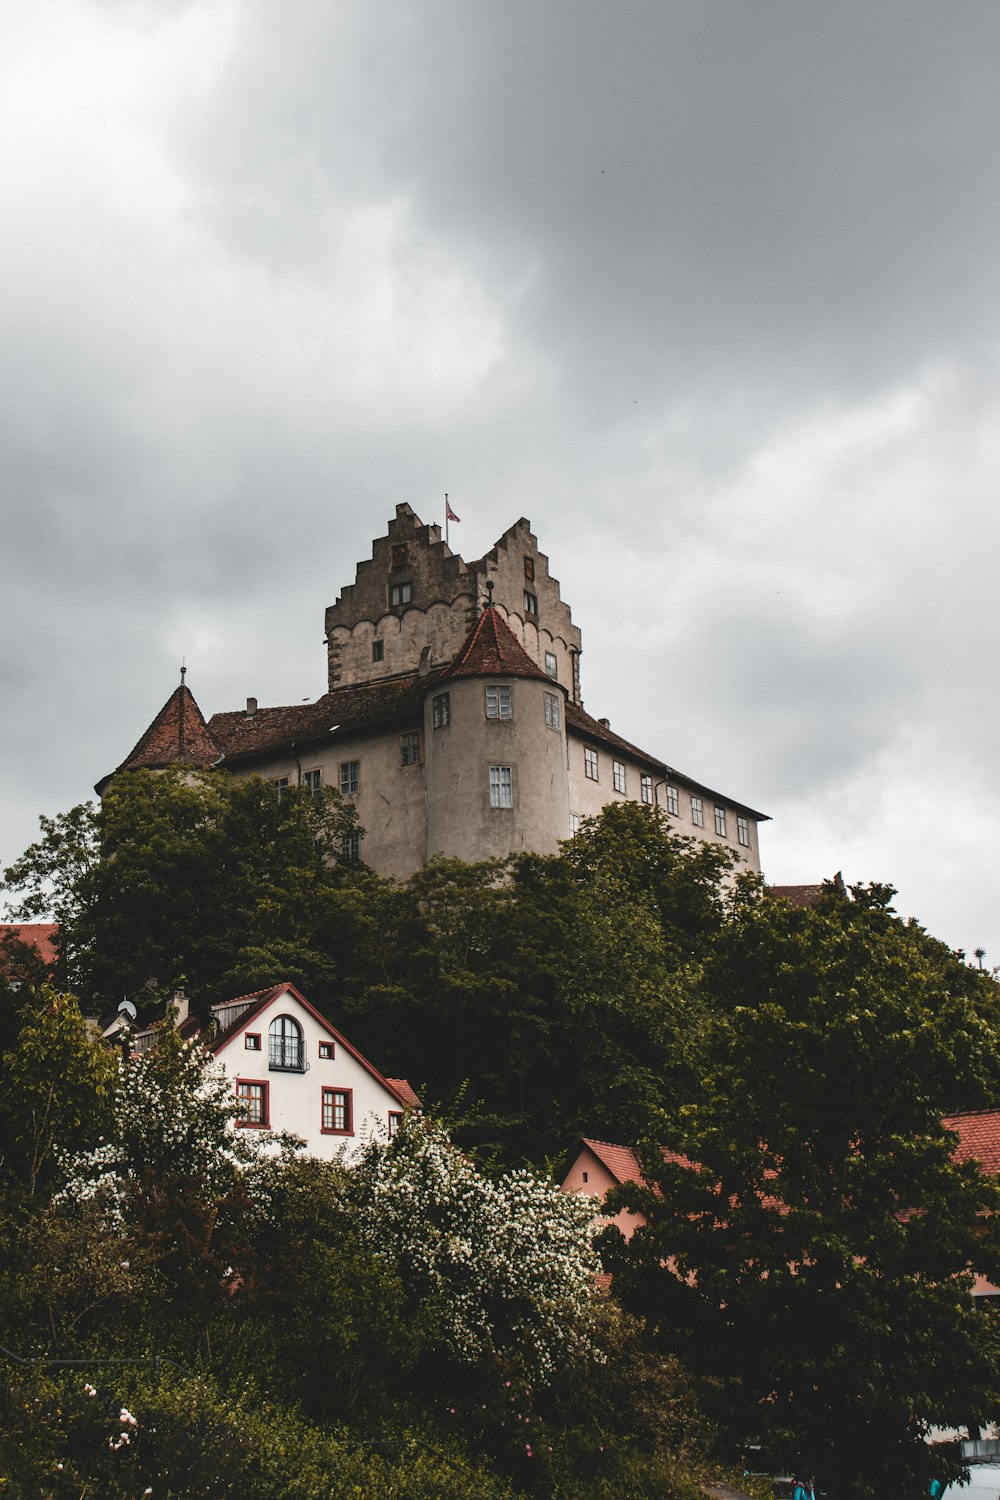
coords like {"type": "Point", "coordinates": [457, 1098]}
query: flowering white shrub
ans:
{"type": "Point", "coordinates": [505, 1267]}
{"type": "Point", "coordinates": [172, 1109]}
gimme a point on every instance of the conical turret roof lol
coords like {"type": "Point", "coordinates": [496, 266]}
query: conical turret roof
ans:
{"type": "Point", "coordinates": [491, 650]}
{"type": "Point", "coordinates": [177, 736]}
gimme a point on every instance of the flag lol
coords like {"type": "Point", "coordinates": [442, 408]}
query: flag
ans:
{"type": "Point", "coordinates": [449, 513]}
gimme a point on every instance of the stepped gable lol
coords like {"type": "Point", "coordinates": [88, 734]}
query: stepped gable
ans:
{"type": "Point", "coordinates": [247, 733]}
{"type": "Point", "coordinates": [491, 650]}
{"type": "Point", "coordinates": [177, 736]}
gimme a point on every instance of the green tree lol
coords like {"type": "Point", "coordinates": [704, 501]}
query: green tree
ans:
{"type": "Point", "coordinates": [814, 1266]}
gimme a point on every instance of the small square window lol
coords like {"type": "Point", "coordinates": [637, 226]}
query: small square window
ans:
{"type": "Point", "coordinates": [350, 848]}
{"type": "Point", "coordinates": [409, 748]}
{"type": "Point", "coordinates": [590, 764]}
{"type": "Point", "coordinates": [529, 569]}
{"type": "Point", "coordinates": [551, 666]}
{"type": "Point", "coordinates": [378, 650]}
{"type": "Point", "coordinates": [350, 777]}
{"type": "Point", "coordinates": [498, 702]}
{"type": "Point", "coordinates": [501, 786]}
{"type": "Point", "coordinates": [326, 1050]}
{"type": "Point", "coordinates": [720, 822]}
{"type": "Point", "coordinates": [251, 1041]}
{"type": "Point", "coordinates": [697, 813]}
{"type": "Point", "coordinates": [530, 603]}
{"type": "Point", "coordinates": [743, 832]}
{"type": "Point", "coordinates": [673, 801]}
{"type": "Point", "coordinates": [337, 1109]}
{"type": "Point", "coordinates": [441, 711]}
{"type": "Point", "coordinates": [251, 1105]}
{"type": "Point", "coordinates": [552, 717]}
{"type": "Point", "coordinates": [646, 788]}
{"type": "Point", "coordinates": [399, 594]}
{"type": "Point", "coordinates": [618, 775]}
{"type": "Point", "coordinates": [312, 780]}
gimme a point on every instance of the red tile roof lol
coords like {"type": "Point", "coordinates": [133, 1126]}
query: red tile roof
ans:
{"type": "Point", "coordinates": [43, 937]}
{"type": "Point", "coordinates": [978, 1137]}
{"type": "Point", "coordinates": [178, 735]}
{"type": "Point", "coordinates": [491, 650]}
{"type": "Point", "coordinates": [405, 1092]}
{"type": "Point", "coordinates": [347, 709]}
{"type": "Point", "coordinates": [620, 1161]}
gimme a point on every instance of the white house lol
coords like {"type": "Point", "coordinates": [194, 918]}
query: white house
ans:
{"type": "Point", "coordinates": [291, 1070]}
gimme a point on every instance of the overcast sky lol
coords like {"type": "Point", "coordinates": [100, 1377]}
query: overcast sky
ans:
{"type": "Point", "coordinates": [707, 289]}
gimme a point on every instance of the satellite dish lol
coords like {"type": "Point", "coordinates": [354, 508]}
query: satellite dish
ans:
{"type": "Point", "coordinates": [128, 1009]}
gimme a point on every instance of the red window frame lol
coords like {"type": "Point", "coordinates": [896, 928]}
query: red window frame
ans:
{"type": "Point", "coordinates": [327, 1050]}
{"type": "Point", "coordinates": [329, 1094]}
{"type": "Point", "coordinates": [251, 1041]}
{"type": "Point", "coordinates": [265, 1103]}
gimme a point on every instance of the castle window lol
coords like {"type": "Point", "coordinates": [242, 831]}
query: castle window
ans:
{"type": "Point", "coordinates": [673, 801]}
{"type": "Point", "coordinates": [530, 603]}
{"type": "Point", "coordinates": [312, 780]}
{"type": "Point", "coordinates": [327, 1051]}
{"type": "Point", "coordinates": [551, 710]}
{"type": "Point", "coordinates": [574, 822]}
{"type": "Point", "coordinates": [551, 666]}
{"type": "Point", "coordinates": [501, 786]}
{"type": "Point", "coordinates": [441, 711]}
{"type": "Point", "coordinates": [400, 593]}
{"type": "Point", "coordinates": [399, 555]}
{"type": "Point", "coordinates": [529, 569]}
{"type": "Point", "coordinates": [409, 748]}
{"type": "Point", "coordinates": [720, 822]}
{"type": "Point", "coordinates": [350, 777]}
{"type": "Point", "coordinates": [697, 814]}
{"type": "Point", "coordinates": [280, 784]}
{"type": "Point", "coordinates": [336, 1112]}
{"type": "Point", "coordinates": [498, 701]}
{"type": "Point", "coordinates": [350, 848]}
{"type": "Point", "coordinates": [251, 1104]}
{"type": "Point", "coordinates": [743, 832]}
{"type": "Point", "coordinates": [618, 775]}
{"type": "Point", "coordinates": [646, 788]}
{"type": "Point", "coordinates": [590, 764]}
{"type": "Point", "coordinates": [378, 650]}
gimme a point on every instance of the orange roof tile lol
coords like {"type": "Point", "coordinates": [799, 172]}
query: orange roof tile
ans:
{"type": "Point", "coordinates": [178, 735]}
{"type": "Point", "coordinates": [978, 1137]}
{"type": "Point", "coordinates": [43, 937]}
{"type": "Point", "coordinates": [405, 1092]}
{"type": "Point", "coordinates": [491, 650]}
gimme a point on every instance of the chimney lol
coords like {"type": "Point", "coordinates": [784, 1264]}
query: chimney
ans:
{"type": "Point", "coordinates": [251, 707]}
{"type": "Point", "coordinates": [605, 722]}
{"type": "Point", "coordinates": [180, 1006]}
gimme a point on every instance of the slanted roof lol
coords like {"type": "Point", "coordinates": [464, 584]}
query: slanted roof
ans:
{"type": "Point", "coordinates": [42, 937]}
{"type": "Point", "coordinates": [242, 735]}
{"type": "Point", "coordinates": [620, 1161]}
{"type": "Point", "coordinates": [491, 650]}
{"type": "Point", "coordinates": [978, 1138]}
{"type": "Point", "coordinates": [177, 736]}
{"type": "Point", "coordinates": [796, 895]}
{"type": "Point", "coordinates": [261, 999]}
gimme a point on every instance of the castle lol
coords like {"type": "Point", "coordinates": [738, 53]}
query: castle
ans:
{"type": "Point", "coordinates": [453, 716]}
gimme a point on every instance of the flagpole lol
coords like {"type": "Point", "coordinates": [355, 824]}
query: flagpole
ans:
{"type": "Point", "coordinates": [446, 520]}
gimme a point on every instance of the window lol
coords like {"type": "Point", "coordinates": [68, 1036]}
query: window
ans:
{"type": "Point", "coordinates": [350, 848]}
{"type": "Point", "coordinates": [552, 710]}
{"type": "Point", "coordinates": [673, 801]}
{"type": "Point", "coordinates": [312, 781]}
{"type": "Point", "coordinates": [399, 555]}
{"type": "Point", "coordinates": [590, 768]}
{"type": "Point", "coordinates": [574, 822]}
{"type": "Point", "coordinates": [378, 650]}
{"type": "Point", "coordinates": [251, 1104]}
{"type": "Point", "coordinates": [498, 702]}
{"type": "Point", "coordinates": [280, 784]}
{"type": "Point", "coordinates": [501, 786]}
{"type": "Point", "coordinates": [697, 815]}
{"type": "Point", "coordinates": [251, 1041]}
{"type": "Point", "coordinates": [743, 832]}
{"type": "Point", "coordinates": [350, 777]}
{"type": "Point", "coordinates": [529, 569]}
{"type": "Point", "coordinates": [400, 593]}
{"type": "Point", "coordinates": [409, 748]}
{"type": "Point", "coordinates": [646, 788]}
{"type": "Point", "coordinates": [326, 1050]}
{"type": "Point", "coordinates": [337, 1112]}
{"type": "Point", "coordinates": [618, 775]}
{"type": "Point", "coordinates": [720, 822]}
{"type": "Point", "coordinates": [551, 666]}
{"type": "Point", "coordinates": [285, 1052]}
{"type": "Point", "coordinates": [395, 1120]}
{"type": "Point", "coordinates": [530, 603]}
{"type": "Point", "coordinates": [441, 710]}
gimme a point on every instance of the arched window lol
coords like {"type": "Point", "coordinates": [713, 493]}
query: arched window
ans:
{"type": "Point", "coordinates": [284, 1045]}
